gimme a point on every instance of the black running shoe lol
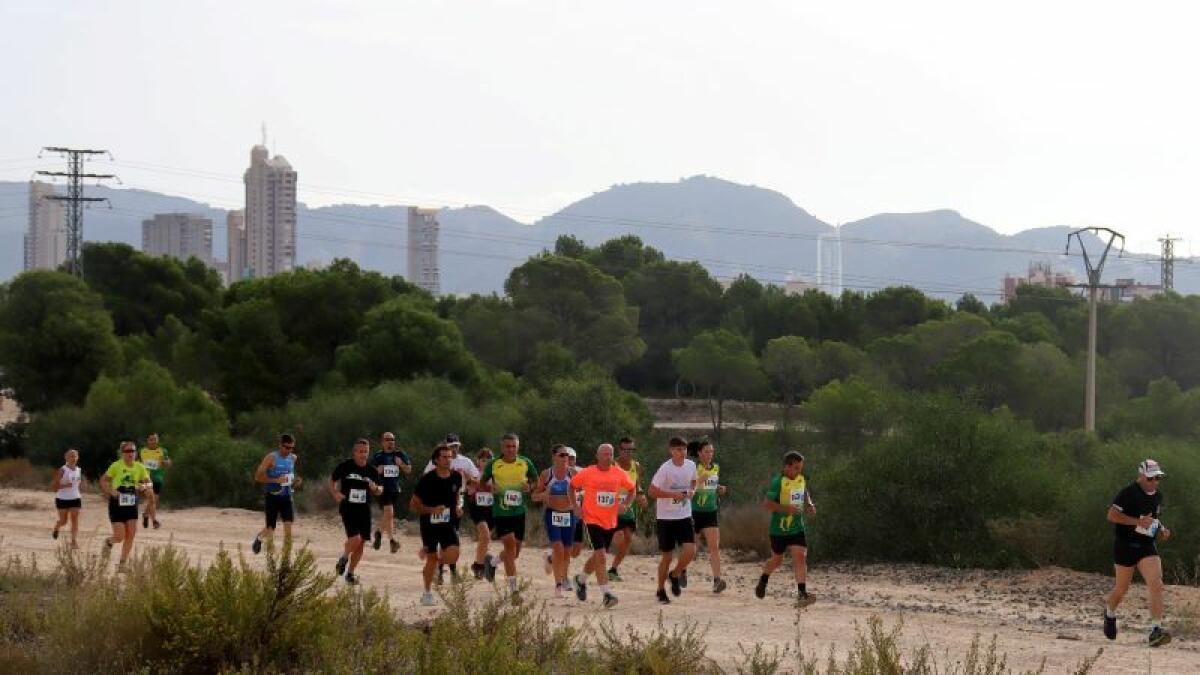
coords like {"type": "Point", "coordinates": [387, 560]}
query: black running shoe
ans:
{"type": "Point", "coordinates": [352, 578]}
{"type": "Point", "coordinates": [157, 524]}
{"type": "Point", "coordinates": [610, 601]}
{"type": "Point", "coordinates": [54, 534]}
{"type": "Point", "coordinates": [804, 600]}
{"type": "Point", "coordinates": [341, 565]}
{"type": "Point", "coordinates": [489, 569]}
{"type": "Point", "coordinates": [145, 521]}
{"type": "Point", "coordinates": [256, 546]}
{"type": "Point", "coordinates": [378, 541]}
{"type": "Point", "coordinates": [760, 590]}
{"type": "Point", "coordinates": [441, 578]}
{"type": "Point", "coordinates": [614, 575]}
{"type": "Point", "coordinates": [676, 587]}
{"type": "Point", "coordinates": [581, 587]}
{"type": "Point", "coordinates": [1159, 637]}
{"type": "Point", "coordinates": [477, 570]}
{"type": "Point", "coordinates": [662, 597]}
{"type": "Point", "coordinates": [395, 545]}
{"type": "Point", "coordinates": [683, 579]}
{"type": "Point", "coordinates": [719, 585]}
{"type": "Point", "coordinates": [1110, 626]}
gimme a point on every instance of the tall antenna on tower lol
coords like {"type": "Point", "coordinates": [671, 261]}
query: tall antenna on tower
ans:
{"type": "Point", "coordinates": [75, 199]}
{"type": "Point", "coordinates": [264, 133]}
{"type": "Point", "coordinates": [1168, 262]}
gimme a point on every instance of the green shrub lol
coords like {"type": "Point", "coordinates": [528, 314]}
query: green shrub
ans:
{"type": "Point", "coordinates": [214, 470]}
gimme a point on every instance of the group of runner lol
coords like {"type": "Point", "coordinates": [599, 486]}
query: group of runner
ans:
{"type": "Point", "coordinates": [598, 506]}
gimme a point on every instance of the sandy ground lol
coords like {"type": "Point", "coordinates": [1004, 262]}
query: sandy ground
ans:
{"type": "Point", "coordinates": [1051, 613]}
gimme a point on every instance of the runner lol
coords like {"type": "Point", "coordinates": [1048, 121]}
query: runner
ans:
{"type": "Point", "coordinates": [277, 473]}
{"type": "Point", "coordinates": [1134, 514]}
{"type": "Point", "coordinates": [67, 500]}
{"type": "Point", "coordinates": [390, 462]}
{"type": "Point", "coordinates": [124, 480]}
{"type": "Point", "coordinates": [510, 475]}
{"type": "Point", "coordinates": [672, 486]}
{"type": "Point", "coordinates": [470, 473]}
{"type": "Point", "coordinates": [705, 507]}
{"type": "Point", "coordinates": [788, 500]}
{"type": "Point", "coordinates": [555, 491]}
{"type": "Point", "coordinates": [435, 500]}
{"type": "Point", "coordinates": [627, 520]}
{"type": "Point", "coordinates": [601, 484]}
{"type": "Point", "coordinates": [479, 506]}
{"type": "Point", "coordinates": [352, 483]}
{"type": "Point", "coordinates": [157, 461]}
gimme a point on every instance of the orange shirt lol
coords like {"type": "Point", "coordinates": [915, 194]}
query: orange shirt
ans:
{"type": "Point", "coordinates": [601, 493]}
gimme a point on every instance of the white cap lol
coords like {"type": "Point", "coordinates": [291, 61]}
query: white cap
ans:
{"type": "Point", "coordinates": [1150, 468]}
{"type": "Point", "coordinates": [570, 451]}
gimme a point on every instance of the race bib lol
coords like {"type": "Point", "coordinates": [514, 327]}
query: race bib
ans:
{"type": "Point", "coordinates": [712, 482]}
{"type": "Point", "coordinates": [579, 499]}
{"type": "Point", "coordinates": [439, 517]}
{"type": "Point", "coordinates": [358, 496]}
{"type": "Point", "coordinates": [796, 498]}
{"type": "Point", "coordinates": [1151, 531]}
{"type": "Point", "coordinates": [606, 498]}
{"type": "Point", "coordinates": [151, 464]}
{"type": "Point", "coordinates": [126, 499]}
{"type": "Point", "coordinates": [512, 497]}
{"type": "Point", "coordinates": [560, 518]}
{"type": "Point", "coordinates": [391, 471]}
{"type": "Point", "coordinates": [484, 499]}
{"type": "Point", "coordinates": [287, 480]}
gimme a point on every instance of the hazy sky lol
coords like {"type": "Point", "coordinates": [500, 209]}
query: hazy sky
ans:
{"type": "Point", "coordinates": [1019, 114]}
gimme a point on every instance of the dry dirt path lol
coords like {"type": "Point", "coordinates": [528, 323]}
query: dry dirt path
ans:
{"type": "Point", "coordinates": [1047, 614]}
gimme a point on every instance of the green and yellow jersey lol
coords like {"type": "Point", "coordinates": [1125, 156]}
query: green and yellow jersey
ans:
{"type": "Point", "coordinates": [792, 491]}
{"type": "Point", "coordinates": [152, 459]}
{"type": "Point", "coordinates": [630, 512]}
{"type": "Point", "coordinates": [509, 477]}
{"type": "Point", "coordinates": [707, 481]}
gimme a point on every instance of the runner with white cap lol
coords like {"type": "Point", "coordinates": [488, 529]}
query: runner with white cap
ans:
{"type": "Point", "coordinates": [1134, 513]}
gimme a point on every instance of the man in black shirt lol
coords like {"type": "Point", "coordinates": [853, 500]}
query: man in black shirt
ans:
{"type": "Point", "coordinates": [1134, 513]}
{"type": "Point", "coordinates": [391, 462]}
{"type": "Point", "coordinates": [351, 485]}
{"type": "Point", "coordinates": [435, 500]}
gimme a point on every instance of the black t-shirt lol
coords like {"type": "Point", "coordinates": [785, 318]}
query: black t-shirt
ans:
{"type": "Point", "coordinates": [385, 462]}
{"type": "Point", "coordinates": [1135, 503]}
{"type": "Point", "coordinates": [433, 490]}
{"type": "Point", "coordinates": [353, 483]}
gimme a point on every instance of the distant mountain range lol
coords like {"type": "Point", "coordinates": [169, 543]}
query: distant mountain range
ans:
{"type": "Point", "coordinates": [729, 228]}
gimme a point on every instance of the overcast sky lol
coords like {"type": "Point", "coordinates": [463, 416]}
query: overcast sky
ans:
{"type": "Point", "coordinates": [1019, 115]}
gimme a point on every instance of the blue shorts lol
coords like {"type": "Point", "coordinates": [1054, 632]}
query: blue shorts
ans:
{"type": "Point", "coordinates": [564, 535]}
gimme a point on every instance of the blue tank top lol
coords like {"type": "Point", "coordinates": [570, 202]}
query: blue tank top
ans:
{"type": "Point", "coordinates": [281, 467]}
{"type": "Point", "coordinates": [559, 487]}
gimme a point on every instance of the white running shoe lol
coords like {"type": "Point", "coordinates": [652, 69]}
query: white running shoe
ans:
{"type": "Point", "coordinates": [427, 599]}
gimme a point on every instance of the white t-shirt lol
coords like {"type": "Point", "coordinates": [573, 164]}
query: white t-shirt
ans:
{"type": "Point", "coordinates": [68, 485]}
{"type": "Point", "coordinates": [674, 479]}
{"type": "Point", "coordinates": [462, 464]}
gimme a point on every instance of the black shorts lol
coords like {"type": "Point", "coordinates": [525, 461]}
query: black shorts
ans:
{"type": "Point", "coordinates": [626, 524]}
{"type": "Point", "coordinates": [157, 486]}
{"type": "Point", "coordinates": [121, 514]}
{"type": "Point", "coordinates": [357, 521]}
{"type": "Point", "coordinates": [480, 514]}
{"type": "Point", "coordinates": [1128, 553]}
{"type": "Point", "coordinates": [702, 520]}
{"type": "Point", "coordinates": [441, 536]}
{"type": "Point", "coordinates": [601, 538]}
{"type": "Point", "coordinates": [279, 507]}
{"type": "Point", "coordinates": [389, 499]}
{"type": "Point", "coordinates": [781, 543]}
{"type": "Point", "coordinates": [672, 533]}
{"type": "Point", "coordinates": [64, 504]}
{"type": "Point", "coordinates": [579, 531]}
{"type": "Point", "coordinates": [505, 525]}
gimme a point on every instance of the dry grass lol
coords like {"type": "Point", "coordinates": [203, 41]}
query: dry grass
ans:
{"type": "Point", "coordinates": [21, 473]}
{"type": "Point", "coordinates": [22, 504]}
{"type": "Point", "coordinates": [745, 532]}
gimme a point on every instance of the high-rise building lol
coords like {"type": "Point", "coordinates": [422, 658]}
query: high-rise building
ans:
{"type": "Point", "coordinates": [178, 235]}
{"type": "Point", "coordinates": [46, 236]}
{"type": "Point", "coordinates": [423, 249]}
{"type": "Point", "coordinates": [235, 230]}
{"type": "Point", "coordinates": [270, 214]}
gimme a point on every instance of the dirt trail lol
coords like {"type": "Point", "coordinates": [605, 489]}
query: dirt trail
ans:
{"type": "Point", "coordinates": [1049, 614]}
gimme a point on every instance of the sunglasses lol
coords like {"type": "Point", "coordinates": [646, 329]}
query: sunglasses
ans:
{"type": "Point", "coordinates": [128, 452]}
{"type": "Point", "coordinates": [562, 454]}
{"type": "Point", "coordinates": [1154, 478]}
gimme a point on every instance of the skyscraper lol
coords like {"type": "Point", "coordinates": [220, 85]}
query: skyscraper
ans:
{"type": "Point", "coordinates": [423, 249]}
{"type": "Point", "coordinates": [235, 230]}
{"type": "Point", "coordinates": [270, 214]}
{"type": "Point", "coordinates": [46, 236]}
{"type": "Point", "coordinates": [178, 235]}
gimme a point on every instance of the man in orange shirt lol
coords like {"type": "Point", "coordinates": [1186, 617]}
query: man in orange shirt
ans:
{"type": "Point", "coordinates": [602, 484]}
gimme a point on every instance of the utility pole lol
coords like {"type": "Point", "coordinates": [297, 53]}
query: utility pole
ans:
{"type": "Point", "coordinates": [75, 199]}
{"type": "Point", "coordinates": [1168, 262]}
{"type": "Point", "coordinates": [1093, 285]}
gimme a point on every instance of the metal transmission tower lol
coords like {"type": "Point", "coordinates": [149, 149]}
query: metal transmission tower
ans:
{"type": "Point", "coordinates": [1168, 262]}
{"type": "Point", "coordinates": [75, 199]}
{"type": "Point", "coordinates": [1093, 285]}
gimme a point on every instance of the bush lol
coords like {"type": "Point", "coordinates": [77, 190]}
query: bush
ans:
{"type": "Point", "coordinates": [582, 412]}
{"type": "Point", "coordinates": [20, 473]}
{"type": "Point", "coordinates": [214, 470]}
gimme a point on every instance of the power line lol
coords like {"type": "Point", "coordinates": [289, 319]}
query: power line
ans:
{"type": "Point", "coordinates": [1168, 262]}
{"type": "Point", "coordinates": [74, 198]}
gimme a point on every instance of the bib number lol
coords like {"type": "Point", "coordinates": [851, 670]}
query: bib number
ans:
{"type": "Point", "coordinates": [712, 482]}
{"type": "Point", "coordinates": [126, 499]}
{"type": "Point", "coordinates": [391, 471]}
{"type": "Point", "coordinates": [512, 497]}
{"type": "Point", "coordinates": [1151, 531]}
{"type": "Point", "coordinates": [796, 498]}
{"type": "Point", "coordinates": [287, 480]}
{"type": "Point", "coordinates": [151, 464]}
{"type": "Point", "coordinates": [440, 517]}
{"type": "Point", "coordinates": [358, 496]}
{"type": "Point", "coordinates": [560, 518]}
{"type": "Point", "coordinates": [484, 499]}
{"type": "Point", "coordinates": [606, 498]}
